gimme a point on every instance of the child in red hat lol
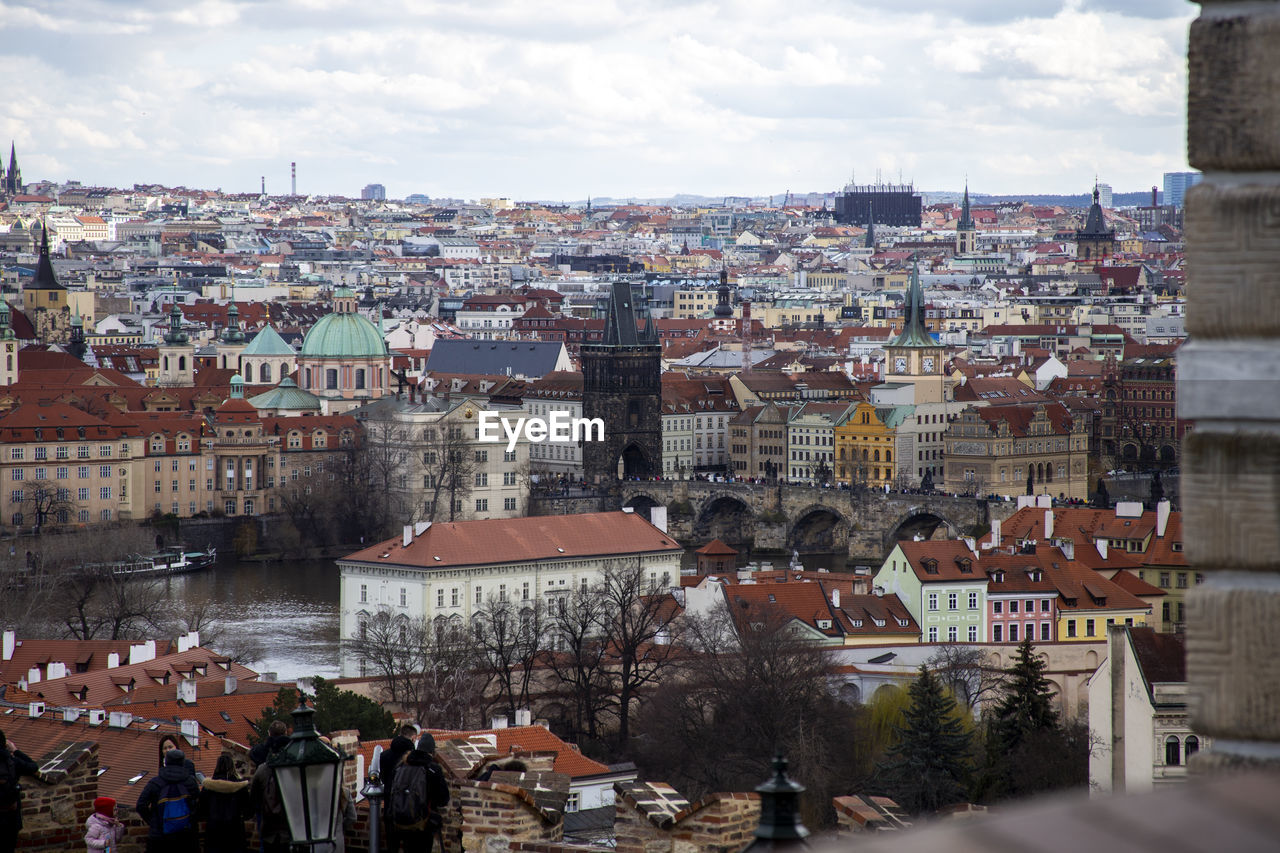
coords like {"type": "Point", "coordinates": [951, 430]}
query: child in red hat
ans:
{"type": "Point", "coordinates": [102, 830]}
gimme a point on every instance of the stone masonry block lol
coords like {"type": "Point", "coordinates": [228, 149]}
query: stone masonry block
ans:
{"type": "Point", "coordinates": [1233, 657]}
{"type": "Point", "coordinates": [1231, 500]}
{"type": "Point", "coordinates": [1233, 101]}
{"type": "Point", "coordinates": [1233, 274]}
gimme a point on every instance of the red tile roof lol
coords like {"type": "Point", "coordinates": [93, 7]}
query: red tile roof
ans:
{"type": "Point", "coordinates": [510, 540]}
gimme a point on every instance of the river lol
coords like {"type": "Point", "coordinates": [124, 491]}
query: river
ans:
{"type": "Point", "coordinates": [289, 610]}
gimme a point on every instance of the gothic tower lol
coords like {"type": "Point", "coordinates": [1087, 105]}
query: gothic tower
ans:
{"type": "Point", "coordinates": [1095, 241]}
{"type": "Point", "coordinates": [966, 233]}
{"type": "Point", "coordinates": [622, 387]}
{"type": "Point", "coordinates": [914, 357]}
{"type": "Point", "coordinates": [78, 346]}
{"type": "Point", "coordinates": [8, 348]}
{"type": "Point", "coordinates": [11, 184]}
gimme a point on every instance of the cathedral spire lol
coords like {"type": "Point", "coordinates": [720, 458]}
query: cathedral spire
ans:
{"type": "Point", "coordinates": [914, 333]}
{"type": "Point", "coordinates": [45, 279]}
{"type": "Point", "coordinates": [966, 217]}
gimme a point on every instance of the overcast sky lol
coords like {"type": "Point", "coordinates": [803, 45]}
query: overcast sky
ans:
{"type": "Point", "coordinates": [564, 99]}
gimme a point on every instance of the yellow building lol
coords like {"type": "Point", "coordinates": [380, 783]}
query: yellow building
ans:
{"type": "Point", "coordinates": [864, 446]}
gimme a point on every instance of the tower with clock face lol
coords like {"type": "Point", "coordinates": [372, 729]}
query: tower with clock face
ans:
{"type": "Point", "coordinates": [914, 357]}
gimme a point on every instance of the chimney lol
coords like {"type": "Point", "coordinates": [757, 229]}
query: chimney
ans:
{"type": "Point", "coordinates": [1048, 524]}
{"type": "Point", "coordinates": [1044, 501]}
{"type": "Point", "coordinates": [142, 652]}
{"type": "Point", "coordinates": [1162, 518]}
{"type": "Point", "coordinates": [96, 716]}
{"type": "Point", "coordinates": [995, 533]}
{"type": "Point", "coordinates": [119, 719]}
{"type": "Point", "coordinates": [187, 691]}
{"type": "Point", "coordinates": [10, 643]}
{"type": "Point", "coordinates": [56, 669]}
{"type": "Point", "coordinates": [407, 538]}
{"type": "Point", "coordinates": [878, 591]}
{"type": "Point", "coordinates": [35, 709]}
{"type": "Point", "coordinates": [229, 685]}
{"type": "Point", "coordinates": [1069, 549]}
{"type": "Point", "coordinates": [190, 731]}
{"type": "Point", "coordinates": [1102, 547]}
{"type": "Point", "coordinates": [113, 660]}
{"type": "Point", "coordinates": [1155, 196]}
{"type": "Point", "coordinates": [188, 641]}
{"type": "Point", "coordinates": [498, 722]}
{"type": "Point", "coordinates": [70, 715]}
{"type": "Point", "coordinates": [33, 675]}
{"type": "Point", "coordinates": [835, 598]}
{"type": "Point", "coordinates": [658, 517]}
{"type": "Point", "coordinates": [524, 717]}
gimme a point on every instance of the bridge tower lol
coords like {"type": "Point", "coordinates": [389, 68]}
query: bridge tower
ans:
{"type": "Point", "coordinates": [621, 385]}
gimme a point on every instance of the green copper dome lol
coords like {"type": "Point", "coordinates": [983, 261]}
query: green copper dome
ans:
{"type": "Point", "coordinates": [343, 335]}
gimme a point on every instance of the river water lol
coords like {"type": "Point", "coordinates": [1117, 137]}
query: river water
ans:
{"type": "Point", "coordinates": [289, 610]}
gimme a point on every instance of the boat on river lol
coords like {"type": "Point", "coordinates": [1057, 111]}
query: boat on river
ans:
{"type": "Point", "coordinates": [169, 561]}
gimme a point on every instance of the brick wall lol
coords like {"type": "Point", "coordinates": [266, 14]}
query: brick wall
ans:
{"type": "Point", "coordinates": [652, 818]}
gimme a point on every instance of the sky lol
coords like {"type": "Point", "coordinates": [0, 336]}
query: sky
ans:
{"type": "Point", "coordinates": [562, 100]}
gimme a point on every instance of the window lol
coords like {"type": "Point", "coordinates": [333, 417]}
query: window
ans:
{"type": "Point", "coordinates": [482, 479]}
{"type": "Point", "coordinates": [82, 452]}
{"type": "Point", "coordinates": [439, 597]}
{"type": "Point", "coordinates": [524, 593]}
{"type": "Point", "coordinates": [1044, 632]}
{"type": "Point", "coordinates": [104, 451]}
{"type": "Point", "coordinates": [1013, 607]}
{"type": "Point", "coordinates": [508, 456]}
{"type": "Point", "coordinates": [502, 592]}
{"type": "Point", "coordinates": [1191, 747]}
{"type": "Point", "coordinates": [453, 597]}
{"type": "Point", "coordinates": [1172, 751]}
{"type": "Point", "coordinates": [42, 453]}
{"type": "Point", "coordinates": [1088, 627]}
{"type": "Point", "coordinates": [997, 633]}
{"type": "Point", "coordinates": [952, 599]}
{"type": "Point", "coordinates": [1164, 580]}
{"type": "Point", "coordinates": [1044, 605]}
{"type": "Point", "coordinates": [1182, 580]}
{"type": "Point", "coordinates": [509, 504]}
{"type": "Point", "coordinates": [508, 478]}
{"type": "Point", "coordinates": [1071, 627]}
{"type": "Point", "coordinates": [482, 505]}
{"type": "Point", "coordinates": [104, 493]}
{"type": "Point", "coordinates": [572, 804]}
{"type": "Point", "coordinates": [62, 473]}
{"type": "Point", "coordinates": [63, 452]}
{"type": "Point", "coordinates": [1030, 607]}
{"type": "Point", "coordinates": [933, 601]}
{"type": "Point", "coordinates": [973, 633]}
{"type": "Point", "coordinates": [482, 455]}
{"type": "Point", "coordinates": [951, 634]}
{"type": "Point", "coordinates": [104, 470]}
{"type": "Point", "coordinates": [933, 635]}
{"type": "Point", "coordinates": [82, 494]}
{"type": "Point", "coordinates": [42, 473]}
{"type": "Point", "coordinates": [479, 596]}
{"type": "Point", "coordinates": [997, 607]}
{"type": "Point", "coordinates": [1013, 632]}
{"type": "Point", "coordinates": [17, 452]}
{"type": "Point", "coordinates": [973, 601]}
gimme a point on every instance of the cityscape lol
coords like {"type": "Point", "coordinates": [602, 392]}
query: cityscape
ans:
{"type": "Point", "coordinates": [676, 513]}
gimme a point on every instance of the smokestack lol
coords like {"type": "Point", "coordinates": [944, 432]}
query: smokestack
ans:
{"type": "Point", "coordinates": [1155, 196]}
{"type": "Point", "coordinates": [264, 184]}
{"type": "Point", "coordinates": [293, 175]}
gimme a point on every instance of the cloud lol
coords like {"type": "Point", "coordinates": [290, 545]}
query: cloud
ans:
{"type": "Point", "coordinates": [557, 100]}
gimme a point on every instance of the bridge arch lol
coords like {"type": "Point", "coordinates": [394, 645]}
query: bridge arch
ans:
{"type": "Point", "coordinates": [726, 517]}
{"type": "Point", "coordinates": [923, 520]}
{"type": "Point", "coordinates": [642, 502]}
{"type": "Point", "coordinates": [818, 528]}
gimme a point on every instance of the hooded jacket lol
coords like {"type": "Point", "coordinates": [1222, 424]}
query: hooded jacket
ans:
{"type": "Point", "coordinates": [437, 787]}
{"type": "Point", "coordinates": [399, 747]}
{"type": "Point", "coordinates": [151, 794]}
{"type": "Point", "coordinates": [102, 833]}
{"type": "Point", "coordinates": [224, 804]}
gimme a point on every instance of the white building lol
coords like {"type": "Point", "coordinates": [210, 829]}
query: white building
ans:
{"type": "Point", "coordinates": [1138, 715]}
{"type": "Point", "coordinates": [447, 571]}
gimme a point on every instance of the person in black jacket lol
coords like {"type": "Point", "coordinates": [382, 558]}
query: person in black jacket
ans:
{"type": "Point", "coordinates": [419, 768]}
{"type": "Point", "coordinates": [14, 763]}
{"type": "Point", "coordinates": [277, 737]}
{"type": "Point", "coordinates": [224, 805]}
{"type": "Point", "coordinates": [400, 746]}
{"type": "Point", "coordinates": [174, 774]}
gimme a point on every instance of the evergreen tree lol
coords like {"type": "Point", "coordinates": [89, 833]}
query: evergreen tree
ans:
{"type": "Point", "coordinates": [1028, 750]}
{"type": "Point", "coordinates": [336, 710]}
{"type": "Point", "coordinates": [928, 768]}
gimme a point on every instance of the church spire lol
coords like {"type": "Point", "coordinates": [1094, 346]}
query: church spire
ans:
{"type": "Point", "coordinates": [45, 279]}
{"type": "Point", "coordinates": [175, 336]}
{"type": "Point", "coordinates": [966, 217]}
{"type": "Point", "coordinates": [871, 226]}
{"type": "Point", "coordinates": [914, 333]}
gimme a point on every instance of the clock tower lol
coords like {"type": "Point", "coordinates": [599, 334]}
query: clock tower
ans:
{"type": "Point", "coordinates": [914, 357]}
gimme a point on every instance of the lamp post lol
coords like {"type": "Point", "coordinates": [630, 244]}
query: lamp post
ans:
{"type": "Point", "coordinates": [309, 777]}
{"type": "Point", "coordinates": [373, 791]}
{"type": "Point", "coordinates": [780, 827]}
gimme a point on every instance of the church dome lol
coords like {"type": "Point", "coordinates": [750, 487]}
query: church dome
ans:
{"type": "Point", "coordinates": [343, 335]}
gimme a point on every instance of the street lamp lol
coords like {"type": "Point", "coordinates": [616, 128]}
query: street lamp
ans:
{"type": "Point", "coordinates": [373, 792]}
{"type": "Point", "coordinates": [309, 778]}
{"type": "Point", "coordinates": [780, 827]}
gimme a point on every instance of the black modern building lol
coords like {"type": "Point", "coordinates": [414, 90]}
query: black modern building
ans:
{"type": "Point", "coordinates": [885, 204]}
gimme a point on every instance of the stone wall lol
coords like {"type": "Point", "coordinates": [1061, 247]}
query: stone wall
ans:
{"type": "Point", "coordinates": [54, 812]}
{"type": "Point", "coordinates": [653, 818]}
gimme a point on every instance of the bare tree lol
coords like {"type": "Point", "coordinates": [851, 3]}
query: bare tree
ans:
{"type": "Point", "coordinates": [967, 671]}
{"type": "Point", "coordinates": [448, 470]}
{"type": "Point", "coordinates": [579, 657]}
{"type": "Point", "coordinates": [509, 636]}
{"type": "Point", "coordinates": [47, 506]}
{"type": "Point", "coordinates": [638, 614]}
{"type": "Point", "coordinates": [430, 670]}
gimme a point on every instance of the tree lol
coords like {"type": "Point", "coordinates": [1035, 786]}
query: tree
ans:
{"type": "Point", "coordinates": [508, 637]}
{"type": "Point", "coordinates": [45, 506]}
{"type": "Point", "coordinates": [1028, 751]}
{"type": "Point", "coordinates": [449, 469]}
{"type": "Point", "coordinates": [637, 616]}
{"type": "Point", "coordinates": [430, 671]}
{"type": "Point", "coordinates": [336, 710]}
{"type": "Point", "coordinates": [929, 765]}
{"type": "Point", "coordinates": [578, 658]}
{"type": "Point", "coordinates": [966, 672]}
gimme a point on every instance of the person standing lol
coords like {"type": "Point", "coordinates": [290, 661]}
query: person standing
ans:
{"type": "Point", "coordinates": [264, 795]}
{"type": "Point", "coordinates": [224, 805]}
{"type": "Point", "coordinates": [168, 805]}
{"type": "Point", "coordinates": [101, 829]}
{"type": "Point", "coordinates": [14, 764]}
{"type": "Point", "coordinates": [400, 746]}
{"type": "Point", "coordinates": [417, 798]}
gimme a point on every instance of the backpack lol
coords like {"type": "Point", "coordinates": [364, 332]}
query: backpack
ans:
{"type": "Point", "coordinates": [410, 810]}
{"type": "Point", "coordinates": [174, 808]}
{"type": "Point", "coordinates": [9, 787]}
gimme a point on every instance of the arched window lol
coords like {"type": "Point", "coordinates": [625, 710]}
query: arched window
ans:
{"type": "Point", "coordinates": [888, 456]}
{"type": "Point", "coordinates": [264, 373]}
{"type": "Point", "coordinates": [1192, 746]}
{"type": "Point", "coordinates": [182, 362]}
{"type": "Point", "coordinates": [1172, 751]}
{"type": "Point", "coordinates": [307, 378]}
{"type": "Point", "coordinates": [876, 456]}
{"type": "Point", "coordinates": [331, 379]}
{"type": "Point", "coordinates": [359, 378]}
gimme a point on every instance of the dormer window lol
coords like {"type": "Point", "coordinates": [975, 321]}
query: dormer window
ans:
{"type": "Point", "coordinates": [998, 576]}
{"type": "Point", "coordinates": [930, 565]}
{"type": "Point", "coordinates": [965, 565]}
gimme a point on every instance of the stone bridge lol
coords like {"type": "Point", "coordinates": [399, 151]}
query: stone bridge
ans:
{"type": "Point", "coordinates": [776, 517]}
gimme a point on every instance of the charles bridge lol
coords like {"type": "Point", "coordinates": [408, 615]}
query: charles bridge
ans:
{"type": "Point", "coordinates": [778, 517]}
